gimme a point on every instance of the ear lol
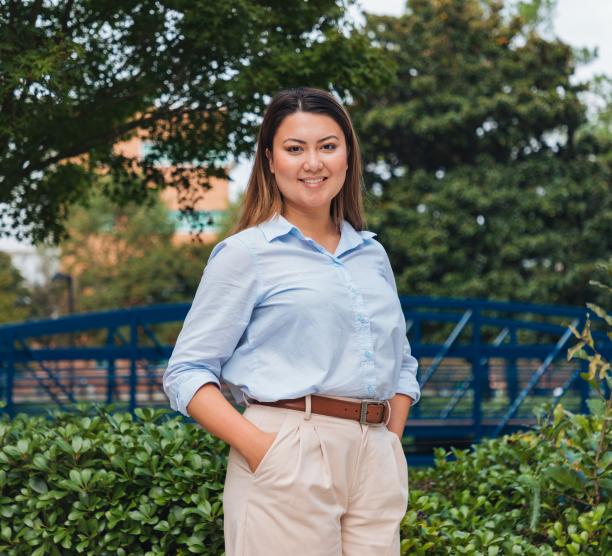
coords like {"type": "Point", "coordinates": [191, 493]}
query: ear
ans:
{"type": "Point", "coordinates": [269, 157]}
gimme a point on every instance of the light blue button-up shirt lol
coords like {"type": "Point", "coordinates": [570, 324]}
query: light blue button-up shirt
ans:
{"type": "Point", "coordinates": [277, 316]}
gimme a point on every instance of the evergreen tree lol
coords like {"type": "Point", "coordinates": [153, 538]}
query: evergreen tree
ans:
{"type": "Point", "coordinates": [484, 180]}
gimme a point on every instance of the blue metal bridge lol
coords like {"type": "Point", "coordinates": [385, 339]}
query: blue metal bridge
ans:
{"type": "Point", "coordinates": [483, 365]}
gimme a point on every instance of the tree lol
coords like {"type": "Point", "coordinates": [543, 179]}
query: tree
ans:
{"type": "Point", "coordinates": [530, 231]}
{"type": "Point", "coordinates": [600, 126]}
{"type": "Point", "coordinates": [125, 256]}
{"type": "Point", "coordinates": [483, 181]}
{"type": "Point", "coordinates": [14, 298]}
{"type": "Point", "coordinates": [78, 76]}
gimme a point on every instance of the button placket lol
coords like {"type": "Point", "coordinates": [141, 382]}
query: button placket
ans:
{"type": "Point", "coordinates": [361, 326]}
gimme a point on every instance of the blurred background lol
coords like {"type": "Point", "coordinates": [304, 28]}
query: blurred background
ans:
{"type": "Point", "coordinates": [127, 130]}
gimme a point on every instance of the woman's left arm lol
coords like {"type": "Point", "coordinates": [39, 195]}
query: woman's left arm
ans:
{"type": "Point", "coordinates": [408, 391]}
{"type": "Point", "coordinates": [400, 408]}
{"type": "Point", "coordinates": [407, 394]}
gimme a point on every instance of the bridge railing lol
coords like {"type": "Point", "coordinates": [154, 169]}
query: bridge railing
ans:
{"type": "Point", "coordinates": [483, 365]}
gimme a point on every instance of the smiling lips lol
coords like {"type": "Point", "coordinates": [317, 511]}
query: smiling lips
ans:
{"type": "Point", "coordinates": [313, 182]}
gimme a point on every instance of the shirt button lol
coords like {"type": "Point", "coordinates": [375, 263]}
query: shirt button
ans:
{"type": "Point", "coordinates": [368, 354]}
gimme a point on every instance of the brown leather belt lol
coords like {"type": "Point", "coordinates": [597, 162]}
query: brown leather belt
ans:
{"type": "Point", "coordinates": [365, 411]}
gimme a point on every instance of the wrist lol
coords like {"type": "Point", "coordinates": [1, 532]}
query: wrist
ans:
{"type": "Point", "coordinates": [249, 442]}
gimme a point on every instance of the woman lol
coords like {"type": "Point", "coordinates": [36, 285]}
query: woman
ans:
{"type": "Point", "coordinates": [297, 311]}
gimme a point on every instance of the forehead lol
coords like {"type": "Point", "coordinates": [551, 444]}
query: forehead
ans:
{"type": "Point", "coordinates": [308, 127]}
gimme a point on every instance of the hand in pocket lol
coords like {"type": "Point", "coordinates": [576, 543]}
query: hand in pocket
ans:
{"type": "Point", "coordinates": [263, 444]}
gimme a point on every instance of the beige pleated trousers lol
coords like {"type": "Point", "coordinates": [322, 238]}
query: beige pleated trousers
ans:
{"type": "Point", "coordinates": [327, 486]}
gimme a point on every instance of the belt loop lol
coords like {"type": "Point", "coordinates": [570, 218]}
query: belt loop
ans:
{"type": "Point", "coordinates": [308, 408]}
{"type": "Point", "coordinates": [389, 415]}
{"type": "Point", "coordinates": [246, 402]}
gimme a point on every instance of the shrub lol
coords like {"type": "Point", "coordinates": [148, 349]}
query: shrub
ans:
{"type": "Point", "coordinates": [546, 491]}
{"type": "Point", "coordinates": [92, 482]}
{"type": "Point", "coordinates": [532, 493]}
{"type": "Point", "coordinates": [106, 484]}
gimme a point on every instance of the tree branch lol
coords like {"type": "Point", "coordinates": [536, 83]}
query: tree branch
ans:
{"type": "Point", "coordinates": [83, 148]}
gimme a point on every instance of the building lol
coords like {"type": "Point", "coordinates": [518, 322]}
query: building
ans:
{"type": "Point", "coordinates": [208, 210]}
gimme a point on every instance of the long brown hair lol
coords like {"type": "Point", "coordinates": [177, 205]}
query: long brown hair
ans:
{"type": "Point", "coordinates": [263, 198]}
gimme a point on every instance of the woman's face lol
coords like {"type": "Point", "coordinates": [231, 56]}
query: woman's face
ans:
{"type": "Point", "coordinates": [309, 160]}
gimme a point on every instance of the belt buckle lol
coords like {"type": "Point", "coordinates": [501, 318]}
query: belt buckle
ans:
{"type": "Point", "coordinates": [364, 411]}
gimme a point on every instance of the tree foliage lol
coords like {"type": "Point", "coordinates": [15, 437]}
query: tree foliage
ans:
{"type": "Point", "coordinates": [126, 256]}
{"type": "Point", "coordinates": [14, 298]}
{"type": "Point", "coordinates": [77, 76]}
{"type": "Point", "coordinates": [487, 183]}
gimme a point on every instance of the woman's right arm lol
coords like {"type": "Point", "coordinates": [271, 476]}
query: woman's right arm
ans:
{"type": "Point", "coordinates": [220, 312]}
{"type": "Point", "coordinates": [213, 412]}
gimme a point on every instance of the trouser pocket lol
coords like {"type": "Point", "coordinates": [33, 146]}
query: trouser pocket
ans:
{"type": "Point", "coordinates": [281, 430]}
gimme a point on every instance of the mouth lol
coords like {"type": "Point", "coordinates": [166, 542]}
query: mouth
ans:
{"type": "Point", "coordinates": [313, 182]}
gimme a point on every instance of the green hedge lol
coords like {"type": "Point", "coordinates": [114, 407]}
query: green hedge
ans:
{"type": "Point", "coordinates": [108, 484]}
{"type": "Point", "coordinates": [92, 482]}
{"type": "Point", "coordinates": [537, 493]}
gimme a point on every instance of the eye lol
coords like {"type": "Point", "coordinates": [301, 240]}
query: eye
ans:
{"type": "Point", "coordinates": [332, 145]}
{"type": "Point", "coordinates": [289, 149]}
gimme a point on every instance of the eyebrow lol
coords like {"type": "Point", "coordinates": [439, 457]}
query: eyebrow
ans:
{"type": "Point", "coordinates": [304, 142]}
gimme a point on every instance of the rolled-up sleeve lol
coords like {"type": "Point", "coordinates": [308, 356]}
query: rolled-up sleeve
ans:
{"type": "Point", "coordinates": [408, 383]}
{"type": "Point", "coordinates": [219, 314]}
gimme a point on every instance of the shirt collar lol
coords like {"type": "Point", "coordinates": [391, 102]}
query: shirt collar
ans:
{"type": "Point", "coordinates": [278, 225]}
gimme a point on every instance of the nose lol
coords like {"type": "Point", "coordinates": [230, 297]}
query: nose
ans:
{"type": "Point", "coordinates": [312, 162]}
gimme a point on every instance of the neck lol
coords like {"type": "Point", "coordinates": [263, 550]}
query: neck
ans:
{"type": "Point", "coordinates": [311, 224]}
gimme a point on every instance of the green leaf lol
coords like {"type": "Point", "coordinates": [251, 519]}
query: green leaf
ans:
{"type": "Point", "coordinates": [37, 484]}
{"type": "Point", "coordinates": [23, 446]}
{"type": "Point", "coordinates": [12, 451]}
{"type": "Point", "coordinates": [596, 406]}
{"type": "Point", "coordinates": [162, 526]}
{"type": "Point", "coordinates": [75, 476]}
{"type": "Point", "coordinates": [77, 444]}
{"type": "Point", "coordinates": [606, 484]}
{"type": "Point", "coordinates": [563, 476]}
